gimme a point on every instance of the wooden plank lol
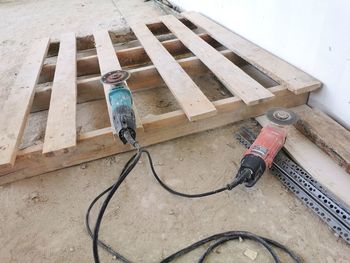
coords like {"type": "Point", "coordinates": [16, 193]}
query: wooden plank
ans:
{"type": "Point", "coordinates": [321, 167]}
{"type": "Point", "coordinates": [87, 62]}
{"type": "Point", "coordinates": [296, 80]}
{"type": "Point", "coordinates": [91, 88]}
{"type": "Point", "coordinates": [61, 132]}
{"type": "Point", "coordinates": [327, 134]}
{"type": "Point", "coordinates": [231, 104]}
{"type": "Point", "coordinates": [17, 106]}
{"type": "Point", "coordinates": [235, 79]}
{"type": "Point", "coordinates": [108, 61]}
{"type": "Point", "coordinates": [100, 143]}
{"type": "Point", "coordinates": [191, 99]}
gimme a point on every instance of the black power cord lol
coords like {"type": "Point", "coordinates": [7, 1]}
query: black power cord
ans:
{"type": "Point", "coordinates": [218, 238]}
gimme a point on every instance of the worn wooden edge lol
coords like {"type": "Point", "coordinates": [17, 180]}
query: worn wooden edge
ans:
{"type": "Point", "coordinates": [327, 134]}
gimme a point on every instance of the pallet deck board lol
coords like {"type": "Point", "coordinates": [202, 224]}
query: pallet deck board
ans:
{"type": "Point", "coordinates": [17, 106]}
{"type": "Point", "coordinates": [191, 99]}
{"type": "Point", "coordinates": [61, 132]}
{"type": "Point", "coordinates": [108, 61]}
{"type": "Point", "coordinates": [143, 77]}
{"type": "Point", "coordinates": [173, 64]}
{"type": "Point", "coordinates": [100, 143]}
{"type": "Point", "coordinates": [235, 80]}
{"type": "Point", "coordinates": [296, 80]}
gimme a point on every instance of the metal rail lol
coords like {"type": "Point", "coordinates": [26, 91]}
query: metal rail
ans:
{"type": "Point", "coordinates": [307, 189]}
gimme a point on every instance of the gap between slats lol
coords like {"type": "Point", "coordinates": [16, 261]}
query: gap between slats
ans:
{"type": "Point", "coordinates": [190, 98]}
{"type": "Point", "coordinates": [235, 79]}
{"type": "Point", "coordinates": [295, 80]}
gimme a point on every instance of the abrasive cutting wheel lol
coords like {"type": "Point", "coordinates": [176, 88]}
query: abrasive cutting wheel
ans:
{"type": "Point", "coordinates": [115, 77]}
{"type": "Point", "coordinates": [282, 116]}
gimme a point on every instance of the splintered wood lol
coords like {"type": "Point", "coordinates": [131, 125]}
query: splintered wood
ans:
{"type": "Point", "coordinates": [198, 46]}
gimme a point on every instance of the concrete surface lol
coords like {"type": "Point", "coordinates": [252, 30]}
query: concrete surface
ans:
{"type": "Point", "coordinates": [42, 218]}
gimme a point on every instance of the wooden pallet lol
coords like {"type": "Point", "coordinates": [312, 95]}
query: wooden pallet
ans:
{"type": "Point", "coordinates": [58, 84]}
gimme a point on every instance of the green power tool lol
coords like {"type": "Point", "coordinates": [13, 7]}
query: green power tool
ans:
{"type": "Point", "coordinates": [121, 102]}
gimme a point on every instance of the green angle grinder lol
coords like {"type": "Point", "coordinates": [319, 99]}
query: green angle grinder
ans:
{"type": "Point", "coordinates": [121, 102]}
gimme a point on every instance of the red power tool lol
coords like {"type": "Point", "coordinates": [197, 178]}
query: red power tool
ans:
{"type": "Point", "coordinates": [269, 142]}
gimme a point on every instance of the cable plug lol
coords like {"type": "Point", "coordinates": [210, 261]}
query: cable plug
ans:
{"type": "Point", "coordinates": [243, 175]}
{"type": "Point", "coordinates": [129, 138]}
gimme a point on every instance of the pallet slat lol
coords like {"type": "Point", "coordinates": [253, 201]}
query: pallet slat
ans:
{"type": "Point", "coordinates": [191, 99]}
{"type": "Point", "coordinates": [235, 79]}
{"type": "Point", "coordinates": [87, 63]}
{"type": "Point", "coordinates": [17, 106]}
{"type": "Point", "coordinates": [145, 77]}
{"type": "Point", "coordinates": [99, 142]}
{"type": "Point", "coordinates": [108, 61]}
{"type": "Point", "coordinates": [296, 80]}
{"type": "Point", "coordinates": [61, 132]}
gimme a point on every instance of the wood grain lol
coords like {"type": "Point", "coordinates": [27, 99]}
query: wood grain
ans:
{"type": "Point", "coordinates": [191, 99]}
{"type": "Point", "coordinates": [61, 131]}
{"type": "Point", "coordinates": [284, 73]}
{"type": "Point", "coordinates": [235, 79]}
{"type": "Point", "coordinates": [17, 106]}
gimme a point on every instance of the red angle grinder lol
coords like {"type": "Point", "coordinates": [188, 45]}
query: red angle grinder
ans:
{"type": "Point", "coordinates": [269, 142]}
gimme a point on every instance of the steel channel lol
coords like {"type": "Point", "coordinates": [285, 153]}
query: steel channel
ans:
{"type": "Point", "coordinates": [308, 190]}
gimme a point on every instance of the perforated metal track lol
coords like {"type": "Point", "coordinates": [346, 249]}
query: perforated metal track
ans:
{"type": "Point", "coordinates": [309, 191]}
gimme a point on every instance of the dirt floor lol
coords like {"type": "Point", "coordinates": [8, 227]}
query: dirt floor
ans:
{"type": "Point", "coordinates": [42, 218]}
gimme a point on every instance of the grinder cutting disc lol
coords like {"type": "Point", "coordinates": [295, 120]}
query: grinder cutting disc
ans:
{"type": "Point", "coordinates": [282, 116]}
{"type": "Point", "coordinates": [115, 77]}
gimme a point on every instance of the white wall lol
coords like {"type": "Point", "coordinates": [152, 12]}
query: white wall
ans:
{"type": "Point", "coordinates": [313, 35]}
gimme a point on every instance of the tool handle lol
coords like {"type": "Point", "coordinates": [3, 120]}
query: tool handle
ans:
{"type": "Point", "coordinates": [268, 143]}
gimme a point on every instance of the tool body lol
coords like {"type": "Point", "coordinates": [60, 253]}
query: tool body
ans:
{"type": "Point", "coordinates": [121, 103]}
{"type": "Point", "coordinates": [269, 142]}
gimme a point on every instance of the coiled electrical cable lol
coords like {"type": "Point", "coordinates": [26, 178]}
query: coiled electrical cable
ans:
{"type": "Point", "coordinates": [217, 239]}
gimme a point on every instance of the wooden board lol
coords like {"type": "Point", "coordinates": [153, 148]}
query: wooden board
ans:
{"type": "Point", "coordinates": [87, 62]}
{"type": "Point", "coordinates": [17, 106]}
{"type": "Point", "coordinates": [95, 138]}
{"type": "Point", "coordinates": [108, 61]}
{"type": "Point", "coordinates": [100, 143]}
{"type": "Point", "coordinates": [235, 79]}
{"type": "Point", "coordinates": [321, 167]}
{"type": "Point", "coordinates": [327, 134]}
{"type": "Point", "coordinates": [295, 80]}
{"type": "Point", "coordinates": [191, 99]}
{"type": "Point", "coordinates": [143, 77]}
{"type": "Point", "coordinates": [61, 132]}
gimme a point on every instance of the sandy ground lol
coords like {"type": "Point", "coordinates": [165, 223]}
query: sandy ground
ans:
{"type": "Point", "coordinates": [42, 218]}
